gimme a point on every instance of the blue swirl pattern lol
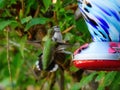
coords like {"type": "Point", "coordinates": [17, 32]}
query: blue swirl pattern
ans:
{"type": "Point", "coordinates": [102, 18]}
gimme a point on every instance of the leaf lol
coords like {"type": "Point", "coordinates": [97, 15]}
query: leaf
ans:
{"type": "Point", "coordinates": [47, 3]}
{"type": "Point", "coordinates": [5, 82]}
{"type": "Point", "coordinates": [26, 19]}
{"type": "Point", "coordinates": [17, 62]}
{"type": "Point", "coordinates": [87, 79]}
{"type": "Point", "coordinates": [73, 69]}
{"type": "Point", "coordinates": [69, 37]}
{"type": "Point", "coordinates": [2, 3]}
{"type": "Point", "coordinates": [115, 85]}
{"type": "Point", "coordinates": [76, 86]}
{"type": "Point", "coordinates": [101, 87]}
{"type": "Point", "coordinates": [29, 4]}
{"type": "Point", "coordinates": [22, 45]}
{"type": "Point", "coordinates": [4, 23]}
{"type": "Point", "coordinates": [84, 81]}
{"type": "Point", "coordinates": [13, 1]}
{"type": "Point", "coordinates": [100, 76]}
{"type": "Point", "coordinates": [109, 78]}
{"type": "Point", "coordinates": [36, 21]}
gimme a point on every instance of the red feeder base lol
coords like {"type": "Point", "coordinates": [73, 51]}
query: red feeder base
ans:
{"type": "Point", "coordinates": [105, 65]}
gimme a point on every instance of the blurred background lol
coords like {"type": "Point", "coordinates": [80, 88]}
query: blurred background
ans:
{"type": "Point", "coordinates": [23, 25]}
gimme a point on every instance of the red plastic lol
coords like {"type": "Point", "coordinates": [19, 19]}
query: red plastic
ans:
{"type": "Point", "coordinates": [106, 65]}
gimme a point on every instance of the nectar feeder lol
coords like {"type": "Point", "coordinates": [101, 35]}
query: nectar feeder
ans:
{"type": "Point", "coordinates": [103, 22]}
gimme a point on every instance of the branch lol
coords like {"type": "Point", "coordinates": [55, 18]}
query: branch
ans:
{"type": "Point", "coordinates": [68, 29]}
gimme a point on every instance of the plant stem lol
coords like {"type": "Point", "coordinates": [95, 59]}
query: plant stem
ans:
{"type": "Point", "coordinates": [8, 57]}
{"type": "Point", "coordinates": [68, 29]}
{"type": "Point", "coordinates": [37, 11]}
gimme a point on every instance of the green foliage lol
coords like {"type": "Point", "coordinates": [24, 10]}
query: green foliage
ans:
{"type": "Point", "coordinates": [19, 20]}
{"type": "Point", "coordinates": [4, 23]}
{"type": "Point", "coordinates": [115, 85]}
{"type": "Point", "coordinates": [26, 19]}
{"type": "Point", "coordinates": [35, 21]}
{"type": "Point", "coordinates": [107, 79]}
{"type": "Point", "coordinates": [2, 3]}
{"type": "Point", "coordinates": [84, 81]}
{"type": "Point", "coordinates": [47, 3]}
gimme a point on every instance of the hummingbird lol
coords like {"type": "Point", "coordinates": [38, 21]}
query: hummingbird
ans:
{"type": "Point", "coordinates": [53, 47]}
